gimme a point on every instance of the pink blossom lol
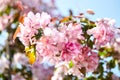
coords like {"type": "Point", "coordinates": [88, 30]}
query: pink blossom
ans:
{"type": "Point", "coordinates": [87, 58]}
{"type": "Point", "coordinates": [60, 72]}
{"type": "Point", "coordinates": [70, 50]}
{"type": "Point", "coordinates": [29, 28]}
{"type": "Point", "coordinates": [104, 31]}
{"type": "Point", "coordinates": [75, 72]}
{"type": "Point", "coordinates": [50, 46]}
{"type": "Point", "coordinates": [45, 19]}
{"type": "Point", "coordinates": [116, 43]}
{"type": "Point", "coordinates": [62, 43]}
{"type": "Point", "coordinates": [46, 48]}
{"type": "Point", "coordinates": [26, 34]}
{"type": "Point", "coordinates": [72, 31]}
{"type": "Point", "coordinates": [92, 62]}
{"type": "Point", "coordinates": [63, 69]}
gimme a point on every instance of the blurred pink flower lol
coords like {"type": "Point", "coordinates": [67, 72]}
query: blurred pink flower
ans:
{"type": "Point", "coordinates": [4, 21]}
{"type": "Point", "coordinates": [42, 72]}
{"type": "Point", "coordinates": [37, 6]}
{"type": "Point", "coordinates": [4, 63]}
{"type": "Point", "coordinates": [114, 77]}
{"type": "Point", "coordinates": [20, 59]}
{"type": "Point", "coordinates": [3, 4]}
{"type": "Point", "coordinates": [17, 77]}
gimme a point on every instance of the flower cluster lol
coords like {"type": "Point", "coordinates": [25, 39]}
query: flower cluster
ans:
{"type": "Point", "coordinates": [61, 44]}
{"type": "Point", "coordinates": [57, 44]}
{"type": "Point", "coordinates": [29, 28]}
{"type": "Point", "coordinates": [104, 32]}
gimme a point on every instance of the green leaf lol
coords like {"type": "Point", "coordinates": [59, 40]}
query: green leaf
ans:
{"type": "Point", "coordinates": [71, 64]}
{"type": "Point", "coordinates": [103, 53]}
{"type": "Point", "coordinates": [111, 63]}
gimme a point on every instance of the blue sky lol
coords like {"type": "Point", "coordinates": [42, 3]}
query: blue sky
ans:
{"type": "Point", "coordinates": [102, 8]}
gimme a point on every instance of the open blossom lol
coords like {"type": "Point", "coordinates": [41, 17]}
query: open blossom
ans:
{"type": "Point", "coordinates": [92, 62]}
{"type": "Point", "coordinates": [116, 44]}
{"type": "Point", "coordinates": [45, 19]}
{"type": "Point", "coordinates": [104, 31]}
{"type": "Point", "coordinates": [29, 28]}
{"type": "Point", "coordinates": [63, 69]}
{"type": "Point", "coordinates": [72, 31]}
{"type": "Point", "coordinates": [70, 50]}
{"type": "Point", "coordinates": [87, 58]}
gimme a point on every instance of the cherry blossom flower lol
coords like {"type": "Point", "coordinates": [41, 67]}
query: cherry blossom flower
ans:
{"type": "Point", "coordinates": [70, 50]}
{"type": "Point", "coordinates": [45, 19]}
{"type": "Point", "coordinates": [87, 58]}
{"type": "Point", "coordinates": [57, 45]}
{"type": "Point", "coordinates": [29, 28]}
{"type": "Point", "coordinates": [116, 43]}
{"type": "Point", "coordinates": [92, 62]}
{"type": "Point", "coordinates": [72, 31]}
{"type": "Point", "coordinates": [60, 72]}
{"type": "Point", "coordinates": [104, 31]}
